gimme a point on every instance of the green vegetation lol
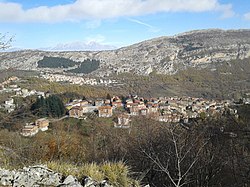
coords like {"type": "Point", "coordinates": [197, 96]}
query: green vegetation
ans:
{"type": "Point", "coordinates": [244, 112]}
{"type": "Point", "coordinates": [56, 62]}
{"type": "Point", "coordinates": [87, 66]}
{"type": "Point", "coordinates": [51, 107]}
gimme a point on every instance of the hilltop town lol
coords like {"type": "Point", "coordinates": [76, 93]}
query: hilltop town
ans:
{"type": "Point", "coordinates": [163, 109]}
{"type": "Point", "coordinates": [122, 109]}
{"type": "Point", "coordinates": [79, 80]}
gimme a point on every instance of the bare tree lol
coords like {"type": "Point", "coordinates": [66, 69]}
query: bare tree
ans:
{"type": "Point", "coordinates": [177, 154]}
{"type": "Point", "coordinates": [5, 41]}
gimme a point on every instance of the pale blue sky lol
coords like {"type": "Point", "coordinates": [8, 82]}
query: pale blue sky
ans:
{"type": "Point", "coordinates": [45, 23]}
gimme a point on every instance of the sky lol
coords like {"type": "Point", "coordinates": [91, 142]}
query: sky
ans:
{"type": "Point", "coordinates": [46, 23]}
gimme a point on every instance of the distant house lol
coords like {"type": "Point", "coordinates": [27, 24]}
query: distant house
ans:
{"type": "Point", "coordinates": [107, 102]}
{"type": "Point", "coordinates": [40, 94]}
{"type": "Point", "coordinates": [30, 130]}
{"type": "Point", "coordinates": [123, 121]}
{"type": "Point", "coordinates": [165, 118]}
{"type": "Point", "coordinates": [143, 111]}
{"type": "Point", "coordinates": [84, 103]}
{"type": "Point", "coordinates": [25, 92]}
{"type": "Point", "coordinates": [9, 105]}
{"type": "Point", "coordinates": [134, 110]}
{"type": "Point", "coordinates": [76, 112]}
{"type": "Point", "coordinates": [13, 78]}
{"type": "Point", "coordinates": [117, 104]}
{"type": "Point", "coordinates": [129, 101]}
{"type": "Point", "coordinates": [9, 102]}
{"type": "Point", "coordinates": [89, 109]}
{"type": "Point", "coordinates": [116, 98]}
{"type": "Point", "coordinates": [176, 118]}
{"type": "Point", "coordinates": [42, 124]}
{"type": "Point", "coordinates": [105, 111]}
{"type": "Point", "coordinates": [169, 118]}
{"type": "Point", "coordinates": [99, 102]}
{"type": "Point", "coordinates": [152, 109]}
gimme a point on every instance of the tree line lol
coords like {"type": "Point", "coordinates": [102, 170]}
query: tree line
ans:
{"type": "Point", "coordinates": [56, 62]}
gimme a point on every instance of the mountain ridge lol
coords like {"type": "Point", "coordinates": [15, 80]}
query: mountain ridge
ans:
{"type": "Point", "coordinates": [163, 55]}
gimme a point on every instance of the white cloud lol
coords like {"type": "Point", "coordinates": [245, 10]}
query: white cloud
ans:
{"type": "Point", "coordinates": [226, 10]}
{"type": "Point", "coordinates": [93, 24]}
{"type": "Point", "coordinates": [247, 16]}
{"type": "Point", "coordinates": [104, 9]}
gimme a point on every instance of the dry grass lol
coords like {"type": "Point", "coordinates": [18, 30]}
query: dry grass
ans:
{"type": "Point", "coordinates": [117, 173]}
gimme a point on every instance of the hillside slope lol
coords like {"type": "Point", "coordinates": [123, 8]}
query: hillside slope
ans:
{"type": "Point", "coordinates": [164, 55]}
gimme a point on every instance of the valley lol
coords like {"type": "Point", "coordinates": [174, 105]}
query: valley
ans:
{"type": "Point", "coordinates": [128, 117]}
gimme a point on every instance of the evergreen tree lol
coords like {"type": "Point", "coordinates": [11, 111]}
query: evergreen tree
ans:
{"type": "Point", "coordinates": [108, 96]}
{"type": "Point", "coordinates": [51, 106]}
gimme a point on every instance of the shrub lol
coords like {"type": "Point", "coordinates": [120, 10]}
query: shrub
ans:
{"type": "Point", "coordinates": [117, 173]}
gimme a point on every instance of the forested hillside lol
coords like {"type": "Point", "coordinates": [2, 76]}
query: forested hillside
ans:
{"type": "Point", "coordinates": [87, 66]}
{"type": "Point", "coordinates": [56, 62]}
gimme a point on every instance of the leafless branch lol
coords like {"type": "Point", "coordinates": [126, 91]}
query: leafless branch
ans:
{"type": "Point", "coordinates": [5, 41]}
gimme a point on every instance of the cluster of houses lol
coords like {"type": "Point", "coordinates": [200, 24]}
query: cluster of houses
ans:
{"type": "Point", "coordinates": [31, 129]}
{"type": "Point", "coordinates": [164, 109]}
{"type": "Point", "coordinates": [8, 81]}
{"type": "Point", "coordinates": [77, 79]}
{"type": "Point", "coordinates": [8, 105]}
{"type": "Point", "coordinates": [9, 86]}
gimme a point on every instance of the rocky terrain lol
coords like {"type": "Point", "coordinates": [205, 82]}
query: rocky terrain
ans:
{"type": "Point", "coordinates": [164, 55]}
{"type": "Point", "coordinates": [42, 176]}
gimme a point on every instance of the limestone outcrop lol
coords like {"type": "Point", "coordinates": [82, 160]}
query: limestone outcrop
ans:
{"type": "Point", "coordinates": [164, 55]}
{"type": "Point", "coordinates": [40, 175]}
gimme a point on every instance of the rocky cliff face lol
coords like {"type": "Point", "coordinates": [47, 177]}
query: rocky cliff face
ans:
{"type": "Point", "coordinates": [164, 55]}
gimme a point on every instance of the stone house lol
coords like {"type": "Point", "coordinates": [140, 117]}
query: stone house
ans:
{"type": "Point", "coordinates": [191, 114]}
{"type": "Point", "coordinates": [99, 102]}
{"type": "Point", "coordinates": [76, 112]}
{"type": "Point", "coordinates": [9, 102]}
{"type": "Point", "coordinates": [89, 109]}
{"type": "Point", "coordinates": [129, 101]}
{"type": "Point", "coordinates": [84, 103]}
{"type": "Point", "coordinates": [164, 118]}
{"type": "Point", "coordinates": [117, 104]}
{"type": "Point", "coordinates": [105, 111]}
{"type": "Point", "coordinates": [176, 118]}
{"type": "Point", "coordinates": [122, 121]}
{"type": "Point", "coordinates": [42, 124]}
{"type": "Point", "coordinates": [143, 111]}
{"type": "Point", "coordinates": [169, 118]}
{"type": "Point", "coordinates": [30, 130]}
{"type": "Point", "coordinates": [152, 109]}
{"type": "Point", "coordinates": [134, 110]}
{"type": "Point", "coordinates": [9, 105]}
{"type": "Point", "coordinates": [107, 102]}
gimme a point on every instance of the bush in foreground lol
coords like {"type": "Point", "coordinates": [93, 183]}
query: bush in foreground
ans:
{"type": "Point", "coordinates": [116, 173]}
